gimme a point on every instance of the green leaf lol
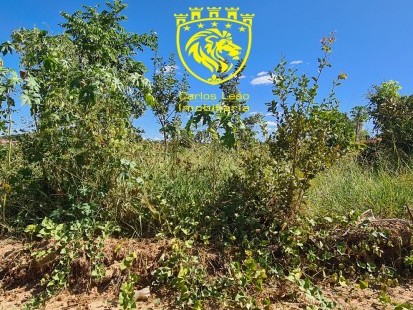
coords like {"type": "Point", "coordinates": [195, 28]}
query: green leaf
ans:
{"type": "Point", "coordinates": [150, 100]}
{"type": "Point", "coordinates": [364, 284]}
{"type": "Point", "coordinates": [342, 76]}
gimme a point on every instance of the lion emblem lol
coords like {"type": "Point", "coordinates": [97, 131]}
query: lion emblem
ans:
{"type": "Point", "coordinates": [211, 48]}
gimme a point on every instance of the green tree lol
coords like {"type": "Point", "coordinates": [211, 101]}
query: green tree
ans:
{"type": "Point", "coordinates": [392, 115]}
{"type": "Point", "coordinates": [169, 93]}
{"type": "Point", "coordinates": [232, 122]}
{"type": "Point", "coordinates": [238, 130]}
{"type": "Point", "coordinates": [359, 116]}
{"type": "Point", "coordinates": [249, 135]}
{"type": "Point", "coordinates": [311, 133]}
{"type": "Point", "coordinates": [227, 124]}
{"type": "Point", "coordinates": [9, 81]}
{"type": "Point", "coordinates": [84, 88]}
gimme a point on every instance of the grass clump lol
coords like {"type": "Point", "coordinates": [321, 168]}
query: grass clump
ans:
{"type": "Point", "coordinates": [351, 186]}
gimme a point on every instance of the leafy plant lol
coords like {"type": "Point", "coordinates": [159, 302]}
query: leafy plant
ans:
{"type": "Point", "coordinates": [82, 235]}
{"type": "Point", "coordinates": [127, 289]}
{"type": "Point", "coordinates": [84, 87]}
{"type": "Point", "coordinates": [311, 133]}
{"type": "Point", "coordinates": [8, 83]}
{"type": "Point", "coordinates": [359, 116]}
{"type": "Point", "coordinates": [392, 117]}
{"type": "Point", "coordinates": [312, 292]}
{"type": "Point", "coordinates": [169, 94]}
{"type": "Point", "coordinates": [227, 125]}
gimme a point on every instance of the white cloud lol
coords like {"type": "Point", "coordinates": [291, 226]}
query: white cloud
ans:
{"type": "Point", "coordinates": [242, 77]}
{"type": "Point", "coordinates": [271, 124]}
{"type": "Point", "coordinates": [262, 73]}
{"type": "Point", "coordinates": [264, 79]}
{"type": "Point", "coordinates": [296, 62]}
{"type": "Point", "coordinates": [170, 68]}
{"type": "Point", "coordinates": [254, 113]}
{"type": "Point", "coordinates": [269, 114]}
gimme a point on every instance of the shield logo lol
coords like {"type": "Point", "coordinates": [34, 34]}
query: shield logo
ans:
{"type": "Point", "coordinates": [214, 49]}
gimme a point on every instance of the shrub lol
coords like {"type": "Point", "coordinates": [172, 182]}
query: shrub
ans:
{"type": "Point", "coordinates": [84, 88]}
{"type": "Point", "coordinates": [392, 115]}
{"type": "Point", "coordinates": [311, 134]}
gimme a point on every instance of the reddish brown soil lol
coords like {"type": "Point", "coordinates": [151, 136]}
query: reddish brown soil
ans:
{"type": "Point", "coordinates": [19, 277]}
{"type": "Point", "coordinates": [20, 274]}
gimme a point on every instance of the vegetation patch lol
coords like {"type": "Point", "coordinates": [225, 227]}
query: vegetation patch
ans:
{"type": "Point", "coordinates": [219, 214]}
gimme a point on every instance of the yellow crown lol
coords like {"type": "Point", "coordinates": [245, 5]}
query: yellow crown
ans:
{"type": "Point", "coordinates": [247, 18]}
{"type": "Point", "coordinates": [213, 12]}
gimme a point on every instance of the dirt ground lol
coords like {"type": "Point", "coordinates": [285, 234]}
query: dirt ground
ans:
{"type": "Point", "coordinates": [14, 295]}
{"type": "Point", "coordinates": [18, 276]}
{"type": "Point", "coordinates": [348, 298]}
{"type": "Point", "coordinates": [94, 300]}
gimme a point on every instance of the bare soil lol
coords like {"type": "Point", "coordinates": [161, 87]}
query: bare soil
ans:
{"type": "Point", "coordinates": [20, 274]}
{"type": "Point", "coordinates": [18, 279]}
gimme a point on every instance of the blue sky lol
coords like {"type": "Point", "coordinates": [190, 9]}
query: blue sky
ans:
{"type": "Point", "coordinates": [374, 40]}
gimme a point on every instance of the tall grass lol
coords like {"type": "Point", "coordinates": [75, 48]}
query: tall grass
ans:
{"type": "Point", "coordinates": [351, 186]}
{"type": "Point", "coordinates": [180, 185]}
